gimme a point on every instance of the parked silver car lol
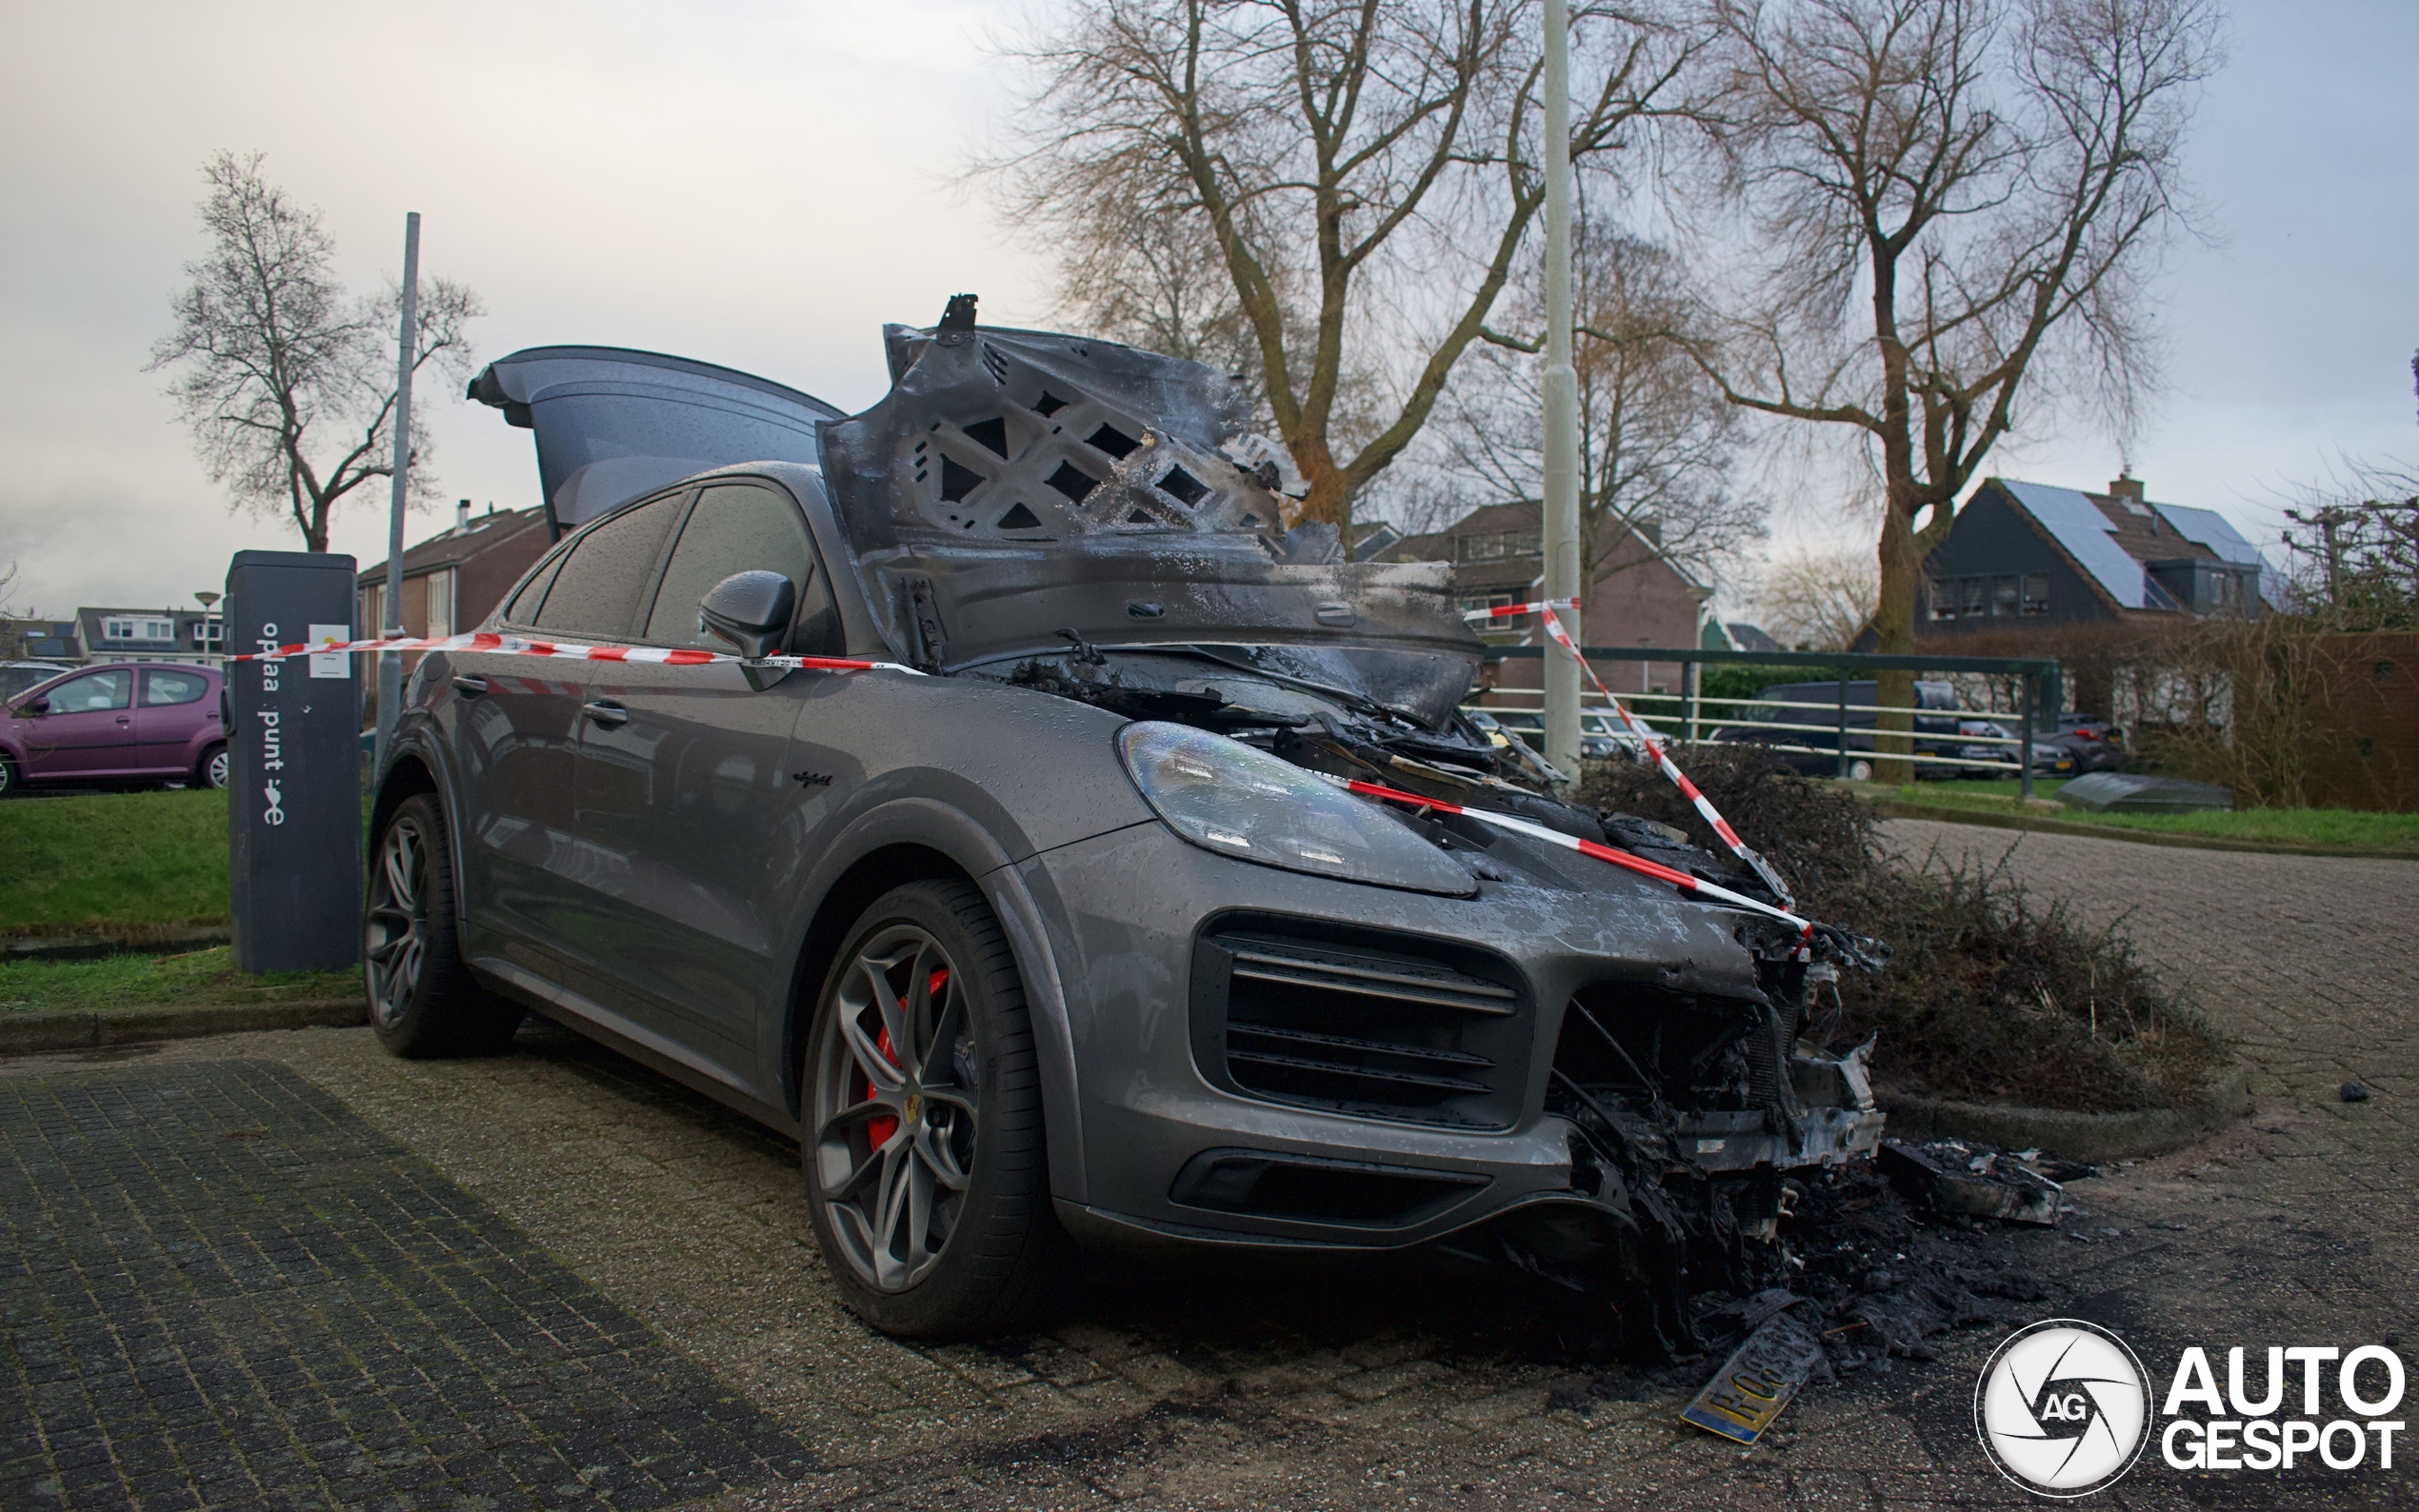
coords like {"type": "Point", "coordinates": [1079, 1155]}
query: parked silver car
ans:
{"type": "Point", "coordinates": [1066, 930]}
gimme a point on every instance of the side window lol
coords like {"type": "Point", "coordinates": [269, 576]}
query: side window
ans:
{"type": "Point", "coordinates": [160, 685]}
{"type": "Point", "coordinates": [596, 591]}
{"type": "Point", "coordinates": [95, 694]}
{"type": "Point", "coordinates": [523, 610]}
{"type": "Point", "coordinates": [739, 527]}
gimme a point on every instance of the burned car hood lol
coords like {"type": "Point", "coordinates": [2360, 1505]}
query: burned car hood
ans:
{"type": "Point", "coordinates": [1016, 490]}
{"type": "Point", "coordinates": [613, 424]}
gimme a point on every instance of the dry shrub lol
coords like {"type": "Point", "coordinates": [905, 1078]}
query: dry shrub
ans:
{"type": "Point", "coordinates": [1988, 997]}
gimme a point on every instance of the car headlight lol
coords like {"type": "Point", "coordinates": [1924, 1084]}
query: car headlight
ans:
{"type": "Point", "coordinates": [1225, 796]}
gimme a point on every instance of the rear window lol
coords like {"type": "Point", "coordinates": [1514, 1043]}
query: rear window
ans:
{"type": "Point", "coordinates": [596, 591]}
{"type": "Point", "coordinates": [161, 685]}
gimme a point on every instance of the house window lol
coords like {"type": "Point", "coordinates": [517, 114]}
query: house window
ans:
{"type": "Point", "coordinates": [208, 635]}
{"type": "Point", "coordinates": [1974, 591]}
{"type": "Point", "coordinates": [2003, 597]}
{"type": "Point", "coordinates": [440, 604]}
{"type": "Point", "coordinates": [1499, 546]}
{"type": "Point", "coordinates": [2036, 593]}
{"type": "Point", "coordinates": [131, 630]}
{"type": "Point", "coordinates": [1942, 597]}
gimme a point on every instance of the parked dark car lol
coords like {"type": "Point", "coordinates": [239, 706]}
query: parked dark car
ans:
{"type": "Point", "coordinates": [2096, 745]}
{"type": "Point", "coordinates": [1821, 736]}
{"type": "Point", "coordinates": [1071, 935]}
{"type": "Point", "coordinates": [1996, 741]}
{"type": "Point", "coordinates": [127, 722]}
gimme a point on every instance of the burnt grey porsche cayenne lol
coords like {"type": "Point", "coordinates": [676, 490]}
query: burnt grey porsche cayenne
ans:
{"type": "Point", "coordinates": [1056, 926]}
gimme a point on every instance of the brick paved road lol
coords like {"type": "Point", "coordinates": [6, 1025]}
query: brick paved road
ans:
{"type": "Point", "coordinates": [1186, 1390]}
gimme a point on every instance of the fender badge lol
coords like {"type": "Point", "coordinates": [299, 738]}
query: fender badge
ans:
{"type": "Point", "coordinates": [812, 779]}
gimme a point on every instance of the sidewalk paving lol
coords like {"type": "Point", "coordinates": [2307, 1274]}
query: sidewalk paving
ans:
{"type": "Point", "coordinates": [1370, 1389]}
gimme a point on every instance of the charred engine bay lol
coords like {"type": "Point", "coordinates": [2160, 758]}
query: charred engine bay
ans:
{"type": "Point", "coordinates": [1687, 1112]}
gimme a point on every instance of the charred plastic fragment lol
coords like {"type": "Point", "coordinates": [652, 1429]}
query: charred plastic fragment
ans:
{"type": "Point", "coordinates": [1973, 1181]}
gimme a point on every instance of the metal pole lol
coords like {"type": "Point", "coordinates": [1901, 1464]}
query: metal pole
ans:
{"type": "Point", "coordinates": [407, 348]}
{"type": "Point", "coordinates": [1694, 671]}
{"type": "Point", "coordinates": [1562, 400]}
{"type": "Point", "coordinates": [1842, 736]}
{"type": "Point", "coordinates": [2031, 686]}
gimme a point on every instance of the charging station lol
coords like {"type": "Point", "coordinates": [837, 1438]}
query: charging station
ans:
{"type": "Point", "coordinates": [295, 773]}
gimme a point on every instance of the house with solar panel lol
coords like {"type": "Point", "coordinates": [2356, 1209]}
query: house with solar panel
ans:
{"type": "Point", "coordinates": [2027, 557]}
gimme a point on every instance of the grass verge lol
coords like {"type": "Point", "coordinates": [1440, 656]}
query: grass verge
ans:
{"type": "Point", "coordinates": [200, 977]}
{"type": "Point", "coordinates": [113, 858]}
{"type": "Point", "coordinates": [2348, 827]}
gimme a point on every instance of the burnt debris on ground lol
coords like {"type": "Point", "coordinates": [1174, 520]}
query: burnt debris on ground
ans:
{"type": "Point", "coordinates": [1871, 1276]}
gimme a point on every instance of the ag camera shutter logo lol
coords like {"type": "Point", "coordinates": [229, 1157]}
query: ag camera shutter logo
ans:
{"type": "Point", "coordinates": [2063, 1408]}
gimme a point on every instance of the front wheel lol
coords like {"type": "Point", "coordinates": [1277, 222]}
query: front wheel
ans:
{"type": "Point", "coordinates": [422, 999]}
{"type": "Point", "coordinates": [925, 1175]}
{"type": "Point", "coordinates": [1860, 771]}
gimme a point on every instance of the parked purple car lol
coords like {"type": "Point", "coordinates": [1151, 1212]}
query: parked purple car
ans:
{"type": "Point", "coordinates": [150, 721]}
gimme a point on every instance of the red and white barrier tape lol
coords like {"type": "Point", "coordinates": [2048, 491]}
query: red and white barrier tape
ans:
{"type": "Point", "coordinates": [1506, 611]}
{"type": "Point", "coordinates": [520, 645]}
{"type": "Point", "coordinates": [1679, 779]}
{"type": "Point", "coordinates": [1585, 847]}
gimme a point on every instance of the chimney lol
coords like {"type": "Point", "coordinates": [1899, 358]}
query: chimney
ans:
{"type": "Point", "coordinates": [2126, 486]}
{"type": "Point", "coordinates": [462, 517]}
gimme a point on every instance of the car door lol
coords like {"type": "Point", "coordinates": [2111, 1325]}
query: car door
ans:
{"type": "Point", "coordinates": [531, 887]}
{"type": "Point", "coordinates": [88, 730]}
{"type": "Point", "coordinates": [173, 708]}
{"type": "Point", "coordinates": [685, 788]}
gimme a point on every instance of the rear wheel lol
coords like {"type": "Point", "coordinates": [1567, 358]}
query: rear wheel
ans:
{"type": "Point", "coordinates": [1860, 771]}
{"type": "Point", "coordinates": [10, 781]}
{"type": "Point", "coordinates": [924, 1156]}
{"type": "Point", "coordinates": [422, 999]}
{"type": "Point", "coordinates": [212, 772]}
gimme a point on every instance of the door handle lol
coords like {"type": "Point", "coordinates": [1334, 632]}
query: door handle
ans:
{"type": "Point", "coordinates": [606, 712]}
{"type": "Point", "coordinates": [470, 687]}
{"type": "Point", "coordinates": [124, 720]}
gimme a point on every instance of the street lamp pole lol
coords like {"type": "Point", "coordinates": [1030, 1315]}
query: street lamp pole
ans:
{"type": "Point", "coordinates": [1562, 401]}
{"type": "Point", "coordinates": [407, 346]}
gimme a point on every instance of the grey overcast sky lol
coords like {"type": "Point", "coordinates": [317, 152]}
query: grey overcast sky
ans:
{"type": "Point", "coordinates": [761, 185]}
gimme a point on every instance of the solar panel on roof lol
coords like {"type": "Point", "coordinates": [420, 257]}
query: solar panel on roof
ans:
{"type": "Point", "coordinates": [2210, 528]}
{"type": "Point", "coordinates": [2075, 523]}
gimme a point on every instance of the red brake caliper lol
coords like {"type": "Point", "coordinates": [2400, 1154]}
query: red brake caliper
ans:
{"type": "Point", "coordinates": [879, 1129]}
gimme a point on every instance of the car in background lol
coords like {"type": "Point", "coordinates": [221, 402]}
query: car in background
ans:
{"type": "Point", "coordinates": [2096, 744]}
{"type": "Point", "coordinates": [1994, 742]}
{"type": "Point", "coordinates": [1603, 737]}
{"type": "Point", "coordinates": [15, 677]}
{"type": "Point", "coordinates": [113, 724]}
{"type": "Point", "coordinates": [1816, 705]}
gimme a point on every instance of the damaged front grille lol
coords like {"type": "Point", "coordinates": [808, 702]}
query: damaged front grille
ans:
{"type": "Point", "coordinates": [1363, 1022]}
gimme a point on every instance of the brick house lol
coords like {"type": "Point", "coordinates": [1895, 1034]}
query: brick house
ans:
{"type": "Point", "coordinates": [454, 578]}
{"type": "Point", "coordinates": [1637, 597]}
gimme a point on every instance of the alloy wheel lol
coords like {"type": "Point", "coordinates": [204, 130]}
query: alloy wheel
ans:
{"type": "Point", "coordinates": [896, 1100]}
{"type": "Point", "coordinates": [398, 921]}
{"type": "Point", "coordinates": [214, 769]}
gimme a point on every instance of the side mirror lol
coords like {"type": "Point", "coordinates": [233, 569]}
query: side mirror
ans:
{"type": "Point", "coordinates": [750, 610]}
{"type": "Point", "coordinates": [35, 705]}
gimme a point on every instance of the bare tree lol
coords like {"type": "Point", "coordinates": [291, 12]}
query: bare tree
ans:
{"type": "Point", "coordinates": [2354, 546]}
{"type": "Point", "coordinates": [287, 381]}
{"type": "Point", "coordinates": [1655, 438]}
{"type": "Point", "coordinates": [1345, 184]}
{"type": "Point", "coordinates": [1818, 600]}
{"type": "Point", "coordinates": [1954, 205]}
